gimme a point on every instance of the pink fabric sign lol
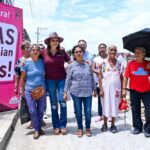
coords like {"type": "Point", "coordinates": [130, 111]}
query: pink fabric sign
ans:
{"type": "Point", "coordinates": [11, 31]}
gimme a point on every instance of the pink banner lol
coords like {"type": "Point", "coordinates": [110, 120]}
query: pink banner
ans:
{"type": "Point", "coordinates": [11, 32]}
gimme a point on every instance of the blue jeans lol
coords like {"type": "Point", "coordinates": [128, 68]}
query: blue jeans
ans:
{"type": "Point", "coordinates": [87, 103]}
{"type": "Point", "coordinates": [55, 88]}
{"type": "Point", "coordinates": [136, 98]}
{"type": "Point", "coordinates": [36, 109]}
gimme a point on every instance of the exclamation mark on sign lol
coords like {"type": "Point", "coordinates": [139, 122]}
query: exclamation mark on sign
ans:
{"type": "Point", "coordinates": [9, 68]}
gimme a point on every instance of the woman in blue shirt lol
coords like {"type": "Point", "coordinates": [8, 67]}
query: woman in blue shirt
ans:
{"type": "Point", "coordinates": [80, 82]}
{"type": "Point", "coordinates": [33, 73]}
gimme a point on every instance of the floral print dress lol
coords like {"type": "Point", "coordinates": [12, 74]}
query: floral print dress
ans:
{"type": "Point", "coordinates": [111, 84]}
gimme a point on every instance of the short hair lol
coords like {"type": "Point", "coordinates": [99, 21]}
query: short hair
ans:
{"type": "Point", "coordinates": [76, 46]}
{"type": "Point", "coordinates": [141, 48]}
{"type": "Point", "coordinates": [82, 41]}
{"type": "Point", "coordinates": [24, 43]}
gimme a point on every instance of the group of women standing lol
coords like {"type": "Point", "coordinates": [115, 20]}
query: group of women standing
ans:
{"type": "Point", "coordinates": [50, 73]}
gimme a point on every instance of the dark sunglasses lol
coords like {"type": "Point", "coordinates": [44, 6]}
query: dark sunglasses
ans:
{"type": "Point", "coordinates": [78, 52]}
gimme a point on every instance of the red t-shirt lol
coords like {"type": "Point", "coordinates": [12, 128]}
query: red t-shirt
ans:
{"type": "Point", "coordinates": [54, 65]}
{"type": "Point", "coordinates": [139, 75]}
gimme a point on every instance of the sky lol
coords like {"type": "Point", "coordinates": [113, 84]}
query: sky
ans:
{"type": "Point", "coordinates": [97, 21]}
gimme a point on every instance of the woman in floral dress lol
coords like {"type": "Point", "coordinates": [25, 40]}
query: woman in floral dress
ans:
{"type": "Point", "coordinates": [110, 87]}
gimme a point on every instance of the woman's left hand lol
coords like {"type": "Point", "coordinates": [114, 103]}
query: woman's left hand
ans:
{"type": "Point", "coordinates": [94, 93]}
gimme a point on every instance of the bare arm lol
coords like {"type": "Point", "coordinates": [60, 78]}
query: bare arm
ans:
{"type": "Point", "coordinates": [94, 68]}
{"type": "Point", "coordinates": [23, 76]}
{"type": "Point", "coordinates": [100, 82]}
{"type": "Point", "coordinates": [17, 80]}
{"type": "Point", "coordinates": [124, 85]}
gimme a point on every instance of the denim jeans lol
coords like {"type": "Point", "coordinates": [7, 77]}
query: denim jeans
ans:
{"type": "Point", "coordinates": [136, 98]}
{"type": "Point", "coordinates": [36, 109]}
{"type": "Point", "coordinates": [99, 102]}
{"type": "Point", "coordinates": [87, 103]}
{"type": "Point", "coordinates": [55, 88]}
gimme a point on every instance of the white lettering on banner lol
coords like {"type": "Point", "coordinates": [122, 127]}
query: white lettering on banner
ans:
{"type": "Point", "coordinates": [8, 46]}
{"type": "Point", "coordinates": [5, 14]}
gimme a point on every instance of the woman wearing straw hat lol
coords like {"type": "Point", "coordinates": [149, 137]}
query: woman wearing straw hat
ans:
{"type": "Point", "coordinates": [54, 59]}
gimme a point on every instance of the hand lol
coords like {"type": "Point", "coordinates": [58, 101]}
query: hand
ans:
{"type": "Point", "coordinates": [65, 97]}
{"type": "Point", "coordinates": [16, 91]}
{"type": "Point", "coordinates": [101, 93]}
{"type": "Point", "coordinates": [124, 93]}
{"type": "Point", "coordinates": [94, 93]}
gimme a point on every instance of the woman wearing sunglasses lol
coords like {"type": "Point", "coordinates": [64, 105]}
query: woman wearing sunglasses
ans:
{"type": "Point", "coordinates": [80, 82]}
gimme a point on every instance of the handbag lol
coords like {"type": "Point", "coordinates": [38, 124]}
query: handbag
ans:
{"type": "Point", "coordinates": [24, 111]}
{"type": "Point", "coordinates": [38, 92]}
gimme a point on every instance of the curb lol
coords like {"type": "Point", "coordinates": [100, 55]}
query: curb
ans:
{"type": "Point", "coordinates": [9, 132]}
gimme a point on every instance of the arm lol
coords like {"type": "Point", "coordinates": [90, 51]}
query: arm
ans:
{"type": "Point", "coordinates": [124, 85]}
{"type": "Point", "coordinates": [23, 76]}
{"type": "Point", "coordinates": [94, 68]}
{"type": "Point", "coordinates": [17, 80]}
{"type": "Point", "coordinates": [100, 82]}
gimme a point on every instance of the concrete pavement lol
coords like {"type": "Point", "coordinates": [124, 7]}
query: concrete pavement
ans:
{"type": "Point", "coordinates": [22, 138]}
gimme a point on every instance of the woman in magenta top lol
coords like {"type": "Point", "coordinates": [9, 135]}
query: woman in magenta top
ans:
{"type": "Point", "coordinates": [138, 71]}
{"type": "Point", "coordinates": [54, 59]}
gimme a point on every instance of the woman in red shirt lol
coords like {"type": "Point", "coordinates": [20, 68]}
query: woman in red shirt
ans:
{"type": "Point", "coordinates": [138, 71]}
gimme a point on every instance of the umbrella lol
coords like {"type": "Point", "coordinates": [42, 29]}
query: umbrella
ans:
{"type": "Point", "coordinates": [123, 106]}
{"type": "Point", "coordinates": [136, 39]}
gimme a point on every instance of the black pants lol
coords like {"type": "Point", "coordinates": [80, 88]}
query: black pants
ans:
{"type": "Point", "coordinates": [136, 98]}
{"type": "Point", "coordinates": [99, 102]}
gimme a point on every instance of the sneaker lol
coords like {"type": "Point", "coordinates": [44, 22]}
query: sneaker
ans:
{"type": "Point", "coordinates": [99, 118]}
{"type": "Point", "coordinates": [104, 128]}
{"type": "Point", "coordinates": [113, 129]}
{"type": "Point", "coordinates": [136, 131]}
{"type": "Point", "coordinates": [63, 131]}
{"type": "Point", "coordinates": [147, 135]}
{"type": "Point", "coordinates": [88, 132]}
{"type": "Point", "coordinates": [56, 131]}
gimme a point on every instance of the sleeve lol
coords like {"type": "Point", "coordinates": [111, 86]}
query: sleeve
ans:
{"type": "Point", "coordinates": [68, 78]}
{"type": "Point", "coordinates": [127, 71]}
{"type": "Point", "coordinates": [66, 56]}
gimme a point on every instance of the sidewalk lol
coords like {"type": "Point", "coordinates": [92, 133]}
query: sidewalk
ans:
{"type": "Point", "coordinates": [22, 138]}
{"type": "Point", "coordinates": [8, 121]}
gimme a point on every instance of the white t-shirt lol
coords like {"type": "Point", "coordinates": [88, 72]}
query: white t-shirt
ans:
{"type": "Point", "coordinates": [98, 60]}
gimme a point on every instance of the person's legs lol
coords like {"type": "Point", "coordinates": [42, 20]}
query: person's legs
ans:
{"type": "Point", "coordinates": [146, 102]}
{"type": "Point", "coordinates": [63, 106]}
{"type": "Point", "coordinates": [135, 98]}
{"type": "Point", "coordinates": [51, 89]}
{"type": "Point", "coordinates": [87, 102]}
{"type": "Point", "coordinates": [78, 109]}
{"type": "Point", "coordinates": [32, 110]}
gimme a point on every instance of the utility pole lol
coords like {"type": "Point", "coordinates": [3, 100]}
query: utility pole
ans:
{"type": "Point", "coordinates": [38, 33]}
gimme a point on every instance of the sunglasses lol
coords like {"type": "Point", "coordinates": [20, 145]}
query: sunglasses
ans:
{"type": "Point", "coordinates": [76, 52]}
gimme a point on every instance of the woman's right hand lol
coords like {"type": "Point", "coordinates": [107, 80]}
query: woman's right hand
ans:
{"type": "Point", "coordinates": [124, 93]}
{"type": "Point", "coordinates": [65, 97]}
{"type": "Point", "coordinates": [101, 93]}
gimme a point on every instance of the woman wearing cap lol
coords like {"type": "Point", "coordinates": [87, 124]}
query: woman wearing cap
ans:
{"type": "Point", "coordinates": [33, 76]}
{"type": "Point", "coordinates": [54, 59]}
{"type": "Point", "coordinates": [138, 71]}
{"type": "Point", "coordinates": [110, 87]}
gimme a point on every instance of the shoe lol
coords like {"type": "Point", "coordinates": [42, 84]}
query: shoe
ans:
{"type": "Point", "coordinates": [56, 131]}
{"type": "Point", "coordinates": [42, 132]}
{"type": "Point", "coordinates": [147, 135]}
{"type": "Point", "coordinates": [63, 131]}
{"type": "Point", "coordinates": [88, 132]}
{"type": "Point", "coordinates": [113, 129]}
{"type": "Point", "coordinates": [79, 133]}
{"type": "Point", "coordinates": [30, 126]}
{"type": "Point", "coordinates": [36, 135]}
{"type": "Point", "coordinates": [104, 128]}
{"type": "Point", "coordinates": [136, 131]}
{"type": "Point", "coordinates": [43, 123]}
{"type": "Point", "coordinates": [99, 118]}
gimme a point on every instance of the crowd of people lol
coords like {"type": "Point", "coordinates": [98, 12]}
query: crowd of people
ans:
{"type": "Point", "coordinates": [103, 76]}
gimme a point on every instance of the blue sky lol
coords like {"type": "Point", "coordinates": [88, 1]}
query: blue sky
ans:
{"type": "Point", "coordinates": [95, 21]}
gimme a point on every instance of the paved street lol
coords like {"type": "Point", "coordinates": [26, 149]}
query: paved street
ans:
{"type": "Point", "coordinates": [22, 138]}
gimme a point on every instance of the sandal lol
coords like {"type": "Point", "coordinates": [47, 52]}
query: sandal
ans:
{"type": "Point", "coordinates": [113, 129]}
{"type": "Point", "coordinates": [104, 128]}
{"type": "Point", "coordinates": [79, 133]}
{"type": "Point", "coordinates": [88, 132]}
